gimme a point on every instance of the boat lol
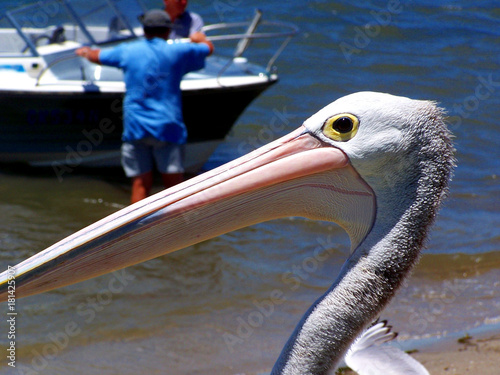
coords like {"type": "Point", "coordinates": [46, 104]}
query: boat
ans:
{"type": "Point", "coordinates": [60, 110]}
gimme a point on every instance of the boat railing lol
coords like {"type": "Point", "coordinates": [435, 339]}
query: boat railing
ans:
{"type": "Point", "coordinates": [283, 30]}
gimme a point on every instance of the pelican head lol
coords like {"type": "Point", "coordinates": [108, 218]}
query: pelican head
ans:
{"type": "Point", "coordinates": [376, 164]}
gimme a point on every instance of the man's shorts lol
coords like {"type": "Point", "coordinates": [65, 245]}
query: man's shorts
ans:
{"type": "Point", "coordinates": [139, 157]}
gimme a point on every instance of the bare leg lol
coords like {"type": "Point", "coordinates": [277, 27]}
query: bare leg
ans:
{"type": "Point", "coordinates": [141, 186]}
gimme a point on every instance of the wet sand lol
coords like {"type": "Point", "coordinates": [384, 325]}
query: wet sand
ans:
{"type": "Point", "coordinates": [467, 356]}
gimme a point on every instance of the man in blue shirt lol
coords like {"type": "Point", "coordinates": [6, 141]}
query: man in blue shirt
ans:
{"type": "Point", "coordinates": [153, 126]}
{"type": "Point", "coordinates": [185, 22]}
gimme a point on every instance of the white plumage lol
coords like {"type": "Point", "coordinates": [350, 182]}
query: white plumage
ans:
{"type": "Point", "coordinates": [371, 354]}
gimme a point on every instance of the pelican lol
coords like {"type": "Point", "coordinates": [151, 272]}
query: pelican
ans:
{"type": "Point", "coordinates": [376, 164]}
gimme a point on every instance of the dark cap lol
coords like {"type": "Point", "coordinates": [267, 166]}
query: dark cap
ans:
{"type": "Point", "coordinates": [155, 18]}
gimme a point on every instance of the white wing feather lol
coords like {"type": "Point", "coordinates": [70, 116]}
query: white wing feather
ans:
{"type": "Point", "coordinates": [367, 356]}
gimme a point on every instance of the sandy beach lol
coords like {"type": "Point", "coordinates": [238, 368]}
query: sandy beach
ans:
{"type": "Point", "coordinates": [467, 356]}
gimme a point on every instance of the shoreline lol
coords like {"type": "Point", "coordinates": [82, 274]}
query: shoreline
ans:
{"type": "Point", "coordinates": [467, 355]}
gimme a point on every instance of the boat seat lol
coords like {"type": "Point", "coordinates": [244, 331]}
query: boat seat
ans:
{"type": "Point", "coordinates": [56, 37]}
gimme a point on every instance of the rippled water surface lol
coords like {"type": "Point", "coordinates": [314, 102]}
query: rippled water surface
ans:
{"type": "Point", "coordinates": [209, 309]}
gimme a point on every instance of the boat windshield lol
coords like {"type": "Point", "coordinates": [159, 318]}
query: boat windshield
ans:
{"type": "Point", "coordinates": [24, 30]}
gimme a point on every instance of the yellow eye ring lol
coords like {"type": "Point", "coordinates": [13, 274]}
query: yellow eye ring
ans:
{"type": "Point", "coordinates": [341, 127]}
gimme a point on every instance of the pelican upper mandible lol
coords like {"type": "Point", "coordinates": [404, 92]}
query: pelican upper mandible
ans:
{"type": "Point", "coordinates": [376, 164]}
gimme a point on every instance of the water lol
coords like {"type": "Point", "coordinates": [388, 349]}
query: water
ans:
{"type": "Point", "coordinates": [208, 309]}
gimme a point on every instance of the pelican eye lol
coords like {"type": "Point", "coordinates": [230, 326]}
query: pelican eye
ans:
{"type": "Point", "coordinates": [341, 127]}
